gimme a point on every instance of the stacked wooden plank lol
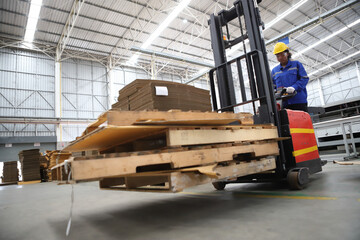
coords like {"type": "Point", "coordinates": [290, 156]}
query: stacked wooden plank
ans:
{"type": "Point", "coordinates": [170, 151]}
{"type": "Point", "coordinates": [10, 172]}
{"type": "Point", "coordinates": [163, 96]}
{"type": "Point", "coordinates": [30, 164]}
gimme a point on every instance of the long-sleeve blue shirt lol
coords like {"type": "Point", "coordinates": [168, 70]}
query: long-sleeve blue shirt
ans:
{"type": "Point", "coordinates": [292, 75]}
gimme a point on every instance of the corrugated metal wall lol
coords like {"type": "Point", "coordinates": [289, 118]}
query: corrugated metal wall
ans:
{"type": "Point", "coordinates": [69, 132]}
{"type": "Point", "coordinates": [26, 84]}
{"type": "Point", "coordinates": [27, 89]}
{"type": "Point", "coordinates": [84, 89]}
{"type": "Point", "coordinates": [341, 86]}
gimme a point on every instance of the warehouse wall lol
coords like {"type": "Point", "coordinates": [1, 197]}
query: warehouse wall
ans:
{"type": "Point", "coordinates": [84, 89]}
{"type": "Point", "coordinates": [343, 85]}
{"type": "Point", "coordinates": [26, 84]}
{"type": "Point", "coordinates": [27, 89]}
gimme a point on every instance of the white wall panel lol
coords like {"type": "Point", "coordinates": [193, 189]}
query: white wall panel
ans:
{"type": "Point", "coordinates": [99, 73]}
{"type": "Point", "coordinates": [82, 83]}
{"type": "Point", "coordinates": [129, 77]}
{"type": "Point", "coordinates": [341, 86]}
{"type": "Point", "coordinates": [27, 84]}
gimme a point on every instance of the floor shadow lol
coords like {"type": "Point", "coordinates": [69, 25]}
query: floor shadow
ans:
{"type": "Point", "coordinates": [156, 216]}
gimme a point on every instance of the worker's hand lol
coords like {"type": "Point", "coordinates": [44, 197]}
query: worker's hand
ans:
{"type": "Point", "coordinates": [290, 90]}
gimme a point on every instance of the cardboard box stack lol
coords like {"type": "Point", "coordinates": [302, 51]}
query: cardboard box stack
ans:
{"type": "Point", "coordinates": [30, 164]}
{"type": "Point", "coordinates": [55, 157]}
{"type": "Point", "coordinates": [162, 96]}
{"type": "Point", "coordinates": [10, 172]}
{"type": "Point", "coordinates": [44, 165]}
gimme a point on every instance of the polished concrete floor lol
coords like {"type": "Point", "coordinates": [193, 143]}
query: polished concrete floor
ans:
{"type": "Point", "coordinates": [329, 208]}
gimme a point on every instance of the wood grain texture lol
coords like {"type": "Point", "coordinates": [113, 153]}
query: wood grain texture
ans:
{"type": "Point", "coordinates": [109, 167]}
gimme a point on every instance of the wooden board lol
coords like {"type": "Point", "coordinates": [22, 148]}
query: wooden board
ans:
{"type": "Point", "coordinates": [93, 169]}
{"type": "Point", "coordinates": [28, 182]}
{"type": "Point", "coordinates": [109, 136]}
{"type": "Point", "coordinates": [194, 122]}
{"type": "Point", "coordinates": [188, 177]}
{"type": "Point", "coordinates": [126, 118]}
{"type": "Point", "coordinates": [101, 119]}
{"type": "Point", "coordinates": [183, 137]}
{"type": "Point", "coordinates": [348, 162]}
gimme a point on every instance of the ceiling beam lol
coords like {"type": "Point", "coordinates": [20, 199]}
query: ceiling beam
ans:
{"type": "Point", "coordinates": [170, 56]}
{"type": "Point", "coordinates": [313, 20]}
{"type": "Point", "coordinates": [69, 25]}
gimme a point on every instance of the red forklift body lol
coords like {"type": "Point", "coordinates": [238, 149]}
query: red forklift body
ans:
{"type": "Point", "coordinates": [301, 149]}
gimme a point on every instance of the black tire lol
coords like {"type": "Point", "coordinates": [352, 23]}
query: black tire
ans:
{"type": "Point", "coordinates": [219, 185]}
{"type": "Point", "coordinates": [293, 180]}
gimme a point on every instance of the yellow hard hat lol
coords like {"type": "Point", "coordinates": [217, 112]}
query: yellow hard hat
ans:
{"type": "Point", "coordinates": [280, 47]}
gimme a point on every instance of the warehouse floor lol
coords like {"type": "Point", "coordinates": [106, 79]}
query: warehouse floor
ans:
{"type": "Point", "coordinates": [329, 208]}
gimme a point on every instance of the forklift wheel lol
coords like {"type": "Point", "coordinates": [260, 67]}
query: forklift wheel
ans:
{"type": "Point", "coordinates": [219, 185]}
{"type": "Point", "coordinates": [293, 180]}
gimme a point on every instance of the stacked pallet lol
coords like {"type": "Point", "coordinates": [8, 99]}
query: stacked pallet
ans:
{"type": "Point", "coordinates": [10, 172]}
{"type": "Point", "coordinates": [30, 164]}
{"type": "Point", "coordinates": [163, 96]}
{"type": "Point", "coordinates": [169, 151]}
{"type": "Point", "coordinates": [55, 157]}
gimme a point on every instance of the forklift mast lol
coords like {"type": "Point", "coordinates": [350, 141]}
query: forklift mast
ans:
{"type": "Point", "coordinates": [260, 83]}
{"type": "Point", "coordinates": [298, 152]}
{"type": "Point", "coordinates": [247, 14]}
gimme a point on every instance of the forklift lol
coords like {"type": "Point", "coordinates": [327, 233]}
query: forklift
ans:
{"type": "Point", "coordinates": [298, 152]}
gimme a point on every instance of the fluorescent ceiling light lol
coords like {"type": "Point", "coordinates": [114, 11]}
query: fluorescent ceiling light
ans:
{"type": "Point", "coordinates": [284, 14]}
{"type": "Point", "coordinates": [166, 23]}
{"type": "Point", "coordinates": [327, 38]}
{"type": "Point", "coordinates": [270, 24]}
{"type": "Point", "coordinates": [133, 59]}
{"type": "Point", "coordinates": [161, 28]}
{"type": "Point", "coordinates": [334, 63]}
{"type": "Point", "coordinates": [33, 18]}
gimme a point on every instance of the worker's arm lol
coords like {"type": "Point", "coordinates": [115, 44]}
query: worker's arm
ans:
{"type": "Point", "coordinates": [300, 84]}
{"type": "Point", "coordinates": [273, 80]}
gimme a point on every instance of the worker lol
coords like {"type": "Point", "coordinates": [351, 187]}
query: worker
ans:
{"type": "Point", "coordinates": [291, 75]}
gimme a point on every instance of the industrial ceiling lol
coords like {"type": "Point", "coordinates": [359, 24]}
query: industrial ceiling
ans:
{"type": "Point", "coordinates": [323, 34]}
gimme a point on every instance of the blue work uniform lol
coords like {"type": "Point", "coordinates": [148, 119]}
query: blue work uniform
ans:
{"type": "Point", "coordinates": [292, 75]}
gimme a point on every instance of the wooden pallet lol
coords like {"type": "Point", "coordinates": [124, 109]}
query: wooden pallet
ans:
{"type": "Point", "coordinates": [111, 136]}
{"type": "Point", "coordinates": [178, 180]}
{"type": "Point", "coordinates": [169, 151]}
{"type": "Point", "coordinates": [94, 169]}
{"type": "Point", "coordinates": [128, 118]}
